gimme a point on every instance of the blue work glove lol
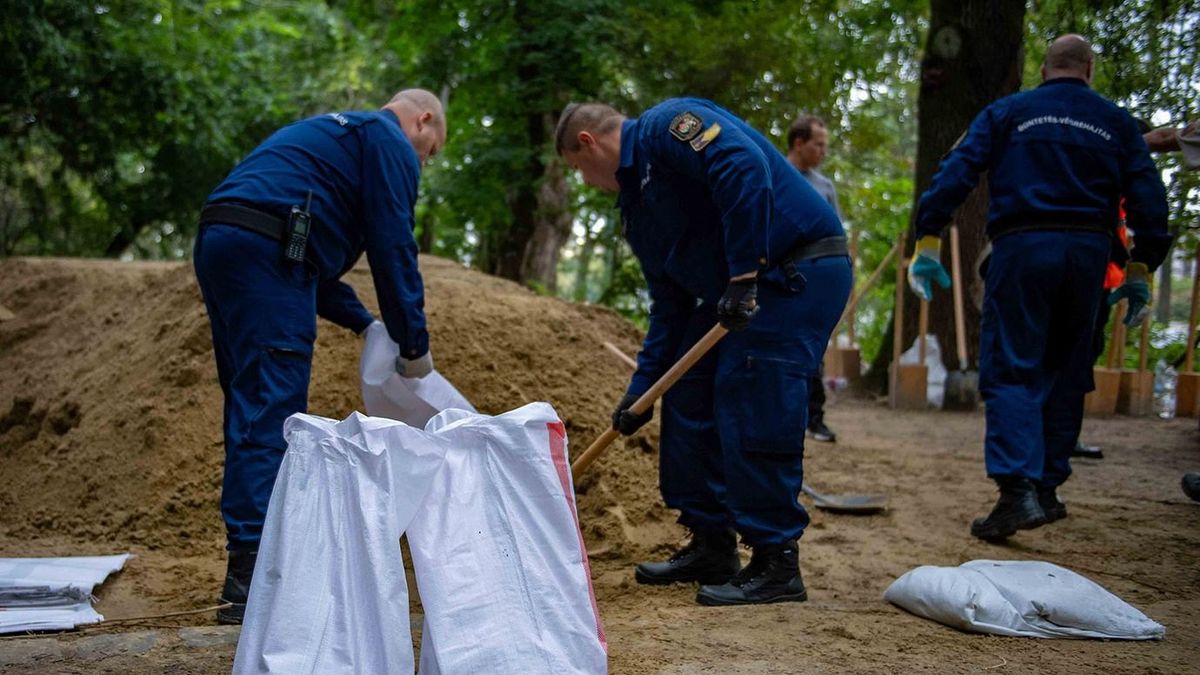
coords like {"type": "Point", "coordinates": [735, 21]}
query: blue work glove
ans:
{"type": "Point", "coordinates": [418, 367]}
{"type": "Point", "coordinates": [625, 421]}
{"type": "Point", "coordinates": [1136, 289]}
{"type": "Point", "coordinates": [926, 267]}
{"type": "Point", "coordinates": [739, 304]}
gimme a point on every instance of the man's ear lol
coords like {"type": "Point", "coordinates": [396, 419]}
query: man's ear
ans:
{"type": "Point", "coordinates": [586, 139]}
{"type": "Point", "coordinates": [424, 118]}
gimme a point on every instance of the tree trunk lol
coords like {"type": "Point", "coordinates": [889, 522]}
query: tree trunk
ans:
{"type": "Point", "coordinates": [551, 223]}
{"type": "Point", "coordinates": [973, 56]}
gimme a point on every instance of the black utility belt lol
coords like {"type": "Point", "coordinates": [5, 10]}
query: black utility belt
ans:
{"type": "Point", "coordinates": [244, 217]}
{"type": "Point", "coordinates": [292, 232]}
{"type": "Point", "coordinates": [1002, 229]}
{"type": "Point", "coordinates": [820, 248]}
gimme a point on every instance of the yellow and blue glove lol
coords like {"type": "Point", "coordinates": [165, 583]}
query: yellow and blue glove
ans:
{"type": "Point", "coordinates": [1136, 289]}
{"type": "Point", "coordinates": [926, 267]}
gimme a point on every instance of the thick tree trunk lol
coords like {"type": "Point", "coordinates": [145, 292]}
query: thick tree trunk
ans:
{"type": "Point", "coordinates": [973, 56]}
{"type": "Point", "coordinates": [551, 222]}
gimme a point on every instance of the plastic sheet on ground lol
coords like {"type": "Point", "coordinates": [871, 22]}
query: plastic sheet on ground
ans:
{"type": "Point", "coordinates": [52, 593]}
{"type": "Point", "coordinates": [408, 399]}
{"type": "Point", "coordinates": [499, 559]}
{"type": "Point", "coordinates": [1020, 599]}
{"type": "Point", "coordinates": [935, 388]}
{"type": "Point", "coordinates": [489, 509]}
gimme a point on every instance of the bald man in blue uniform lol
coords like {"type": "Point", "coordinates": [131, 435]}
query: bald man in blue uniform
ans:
{"type": "Point", "coordinates": [726, 231]}
{"type": "Point", "coordinates": [275, 238]}
{"type": "Point", "coordinates": [1059, 158]}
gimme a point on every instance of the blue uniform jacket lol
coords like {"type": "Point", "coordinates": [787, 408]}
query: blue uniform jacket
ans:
{"type": "Point", "coordinates": [363, 174]}
{"type": "Point", "coordinates": [699, 211]}
{"type": "Point", "coordinates": [1057, 154]}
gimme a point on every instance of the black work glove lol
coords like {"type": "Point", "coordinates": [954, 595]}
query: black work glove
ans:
{"type": "Point", "coordinates": [626, 422]}
{"type": "Point", "coordinates": [739, 304]}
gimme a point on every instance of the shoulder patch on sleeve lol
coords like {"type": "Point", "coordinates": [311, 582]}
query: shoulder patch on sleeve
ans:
{"type": "Point", "coordinates": [700, 142]}
{"type": "Point", "coordinates": [685, 126]}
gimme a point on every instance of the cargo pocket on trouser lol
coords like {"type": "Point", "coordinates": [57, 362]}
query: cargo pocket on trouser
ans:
{"type": "Point", "coordinates": [765, 403]}
{"type": "Point", "coordinates": [283, 374]}
{"type": "Point", "coordinates": [762, 410]}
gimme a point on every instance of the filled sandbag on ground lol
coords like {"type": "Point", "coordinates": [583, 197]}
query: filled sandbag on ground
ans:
{"type": "Point", "coordinates": [497, 552]}
{"type": "Point", "coordinates": [1020, 598]}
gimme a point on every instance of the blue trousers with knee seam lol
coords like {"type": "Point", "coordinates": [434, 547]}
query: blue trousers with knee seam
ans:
{"type": "Point", "coordinates": [732, 449]}
{"type": "Point", "coordinates": [1035, 360]}
{"type": "Point", "coordinates": [263, 316]}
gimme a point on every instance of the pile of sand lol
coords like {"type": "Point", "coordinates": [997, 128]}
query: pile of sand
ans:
{"type": "Point", "coordinates": [110, 412]}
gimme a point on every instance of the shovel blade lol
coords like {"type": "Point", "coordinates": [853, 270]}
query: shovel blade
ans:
{"type": "Point", "coordinates": [961, 390]}
{"type": "Point", "coordinates": [847, 503]}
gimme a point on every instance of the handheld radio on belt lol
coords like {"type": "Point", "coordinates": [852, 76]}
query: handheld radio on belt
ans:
{"type": "Point", "coordinates": [299, 223]}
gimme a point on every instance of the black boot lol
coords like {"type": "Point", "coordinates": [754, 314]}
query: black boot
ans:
{"type": "Point", "coordinates": [1052, 506]}
{"type": "Point", "coordinates": [1017, 509]}
{"type": "Point", "coordinates": [819, 431]}
{"type": "Point", "coordinates": [1191, 486]}
{"type": "Point", "coordinates": [237, 586]}
{"type": "Point", "coordinates": [1087, 451]}
{"type": "Point", "coordinates": [773, 575]}
{"type": "Point", "coordinates": [710, 558]}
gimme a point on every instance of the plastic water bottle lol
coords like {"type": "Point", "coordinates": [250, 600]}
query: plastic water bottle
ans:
{"type": "Point", "coordinates": [1164, 390]}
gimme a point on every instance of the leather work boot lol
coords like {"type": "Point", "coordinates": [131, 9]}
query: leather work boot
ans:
{"type": "Point", "coordinates": [237, 586]}
{"type": "Point", "coordinates": [773, 575]}
{"type": "Point", "coordinates": [1052, 506]}
{"type": "Point", "coordinates": [1087, 451]}
{"type": "Point", "coordinates": [819, 431]}
{"type": "Point", "coordinates": [709, 558]}
{"type": "Point", "coordinates": [1016, 509]}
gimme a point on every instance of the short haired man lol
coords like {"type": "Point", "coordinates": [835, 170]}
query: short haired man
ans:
{"type": "Point", "coordinates": [1058, 158]}
{"type": "Point", "coordinates": [725, 230]}
{"type": "Point", "coordinates": [807, 139]}
{"type": "Point", "coordinates": [275, 237]}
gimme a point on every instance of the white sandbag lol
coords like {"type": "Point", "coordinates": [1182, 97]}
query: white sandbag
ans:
{"type": "Point", "coordinates": [408, 399]}
{"type": "Point", "coordinates": [1020, 598]}
{"type": "Point", "coordinates": [329, 593]}
{"type": "Point", "coordinates": [935, 388]}
{"type": "Point", "coordinates": [499, 559]}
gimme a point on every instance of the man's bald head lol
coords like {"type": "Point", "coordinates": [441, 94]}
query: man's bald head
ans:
{"type": "Point", "coordinates": [1069, 56]}
{"type": "Point", "coordinates": [424, 121]}
{"type": "Point", "coordinates": [420, 101]}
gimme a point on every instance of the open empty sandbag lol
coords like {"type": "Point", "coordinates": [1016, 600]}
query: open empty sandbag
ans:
{"type": "Point", "coordinates": [329, 593]}
{"type": "Point", "coordinates": [1020, 598]}
{"type": "Point", "coordinates": [499, 560]}
{"type": "Point", "coordinates": [408, 399]}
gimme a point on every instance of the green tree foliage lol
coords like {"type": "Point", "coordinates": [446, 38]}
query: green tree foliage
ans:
{"type": "Point", "coordinates": [121, 115]}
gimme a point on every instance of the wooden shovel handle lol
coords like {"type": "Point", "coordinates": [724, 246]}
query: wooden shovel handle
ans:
{"type": "Point", "coordinates": [1190, 347]}
{"type": "Point", "coordinates": [923, 326]}
{"type": "Point", "coordinates": [848, 313]}
{"type": "Point", "coordinates": [655, 392]}
{"type": "Point", "coordinates": [960, 328]}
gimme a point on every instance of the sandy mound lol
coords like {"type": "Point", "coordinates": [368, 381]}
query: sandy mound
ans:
{"type": "Point", "coordinates": [110, 409]}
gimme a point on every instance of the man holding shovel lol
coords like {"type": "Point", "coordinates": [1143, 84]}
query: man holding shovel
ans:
{"type": "Point", "coordinates": [1058, 159]}
{"type": "Point", "coordinates": [725, 231]}
{"type": "Point", "coordinates": [275, 238]}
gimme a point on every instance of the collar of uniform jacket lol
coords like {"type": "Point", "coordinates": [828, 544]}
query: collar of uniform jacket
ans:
{"type": "Point", "coordinates": [627, 170]}
{"type": "Point", "coordinates": [1065, 80]}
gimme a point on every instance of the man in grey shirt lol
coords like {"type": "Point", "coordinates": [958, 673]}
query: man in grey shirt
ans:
{"type": "Point", "coordinates": [807, 138]}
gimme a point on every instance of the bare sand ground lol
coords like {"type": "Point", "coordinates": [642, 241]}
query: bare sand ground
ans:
{"type": "Point", "coordinates": [110, 441]}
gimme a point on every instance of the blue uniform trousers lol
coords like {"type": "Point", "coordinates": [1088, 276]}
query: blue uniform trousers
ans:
{"type": "Point", "coordinates": [264, 322]}
{"type": "Point", "coordinates": [1035, 361]}
{"type": "Point", "coordinates": [732, 450]}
